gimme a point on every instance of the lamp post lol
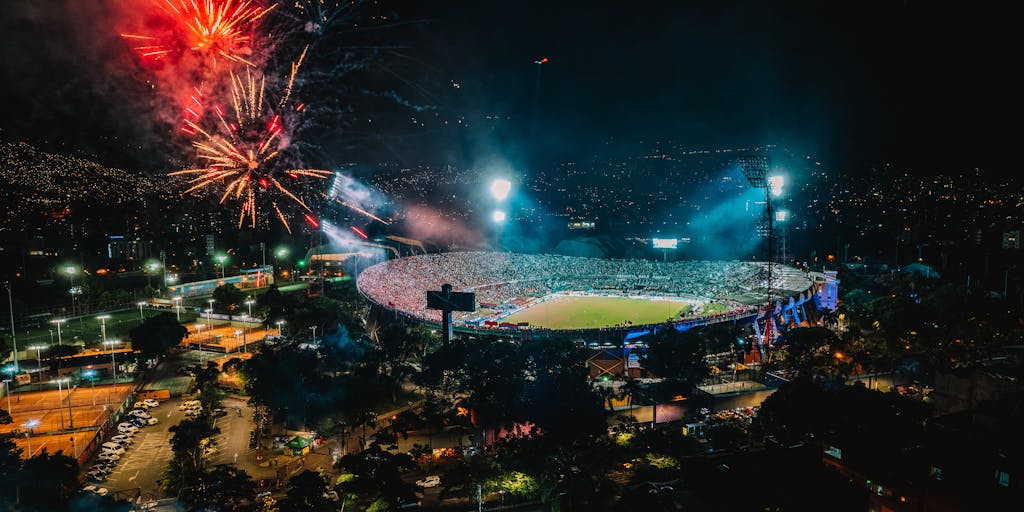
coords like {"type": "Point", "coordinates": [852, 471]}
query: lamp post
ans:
{"type": "Point", "coordinates": [113, 362]}
{"type": "Point", "coordinates": [59, 321]}
{"type": "Point", "coordinates": [30, 424]}
{"type": "Point", "coordinates": [313, 328]}
{"type": "Point", "coordinates": [14, 337]}
{"type": "Point", "coordinates": [91, 375]}
{"type": "Point", "coordinates": [245, 333]}
{"type": "Point", "coordinates": [177, 307]}
{"type": "Point", "coordinates": [140, 304]}
{"type": "Point", "coordinates": [199, 331]}
{"type": "Point", "coordinates": [7, 382]}
{"type": "Point", "coordinates": [151, 268]}
{"type": "Point", "coordinates": [221, 259]}
{"type": "Point", "coordinates": [60, 400]}
{"type": "Point", "coordinates": [280, 329]}
{"type": "Point", "coordinates": [70, 271]}
{"type": "Point", "coordinates": [39, 357]}
{"type": "Point", "coordinates": [209, 323]}
{"type": "Point", "coordinates": [103, 327]}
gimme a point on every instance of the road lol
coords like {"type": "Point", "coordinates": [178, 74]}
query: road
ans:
{"type": "Point", "coordinates": [233, 440]}
{"type": "Point", "coordinates": [142, 465]}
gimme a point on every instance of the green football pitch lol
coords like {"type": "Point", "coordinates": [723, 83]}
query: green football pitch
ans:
{"type": "Point", "coordinates": [595, 312]}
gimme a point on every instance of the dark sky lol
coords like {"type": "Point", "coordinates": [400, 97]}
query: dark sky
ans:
{"type": "Point", "coordinates": [927, 84]}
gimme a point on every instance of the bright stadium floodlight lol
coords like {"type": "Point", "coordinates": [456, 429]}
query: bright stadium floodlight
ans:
{"type": "Point", "coordinates": [775, 184]}
{"type": "Point", "coordinates": [500, 188]}
{"type": "Point", "coordinates": [498, 216]}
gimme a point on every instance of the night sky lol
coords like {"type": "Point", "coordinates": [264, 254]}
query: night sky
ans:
{"type": "Point", "coordinates": [930, 86]}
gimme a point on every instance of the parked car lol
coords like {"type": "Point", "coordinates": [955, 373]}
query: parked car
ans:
{"type": "Point", "coordinates": [108, 456]}
{"type": "Point", "coordinates": [152, 421]}
{"type": "Point", "coordinates": [219, 413]}
{"type": "Point", "coordinates": [122, 439]}
{"type": "Point", "coordinates": [188, 404]}
{"type": "Point", "coordinates": [139, 413]}
{"type": "Point", "coordinates": [430, 481]}
{"type": "Point", "coordinates": [151, 403]}
{"type": "Point", "coordinates": [140, 405]}
{"type": "Point", "coordinates": [113, 447]}
{"type": "Point", "coordinates": [137, 422]}
{"type": "Point", "coordinates": [101, 468]}
{"type": "Point", "coordinates": [127, 428]}
{"type": "Point", "coordinates": [97, 476]}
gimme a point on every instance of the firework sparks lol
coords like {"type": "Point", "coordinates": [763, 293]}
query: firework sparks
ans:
{"type": "Point", "coordinates": [241, 152]}
{"type": "Point", "coordinates": [218, 28]}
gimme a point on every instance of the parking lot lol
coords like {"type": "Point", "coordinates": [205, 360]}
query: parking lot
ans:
{"type": "Point", "coordinates": [142, 465]}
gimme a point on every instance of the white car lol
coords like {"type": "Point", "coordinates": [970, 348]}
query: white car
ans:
{"type": "Point", "coordinates": [151, 403]}
{"type": "Point", "coordinates": [430, 481]}
{"type": "Point", "coordinates": [139, 413]}
{"type": "Point", "coordinates": [112, 447]}
{"type": "Point", "coordinates": [127, 428]}
{"type": "Point", "coordinates": [188, 404]}
{"type": "Point", "coordinates": [105, 456]}
{"type": "Point", "coordinates": [122, 439]}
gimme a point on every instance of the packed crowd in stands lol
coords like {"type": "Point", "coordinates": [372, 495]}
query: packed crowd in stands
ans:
{"type": "Point", "coordinates": [498, 278]}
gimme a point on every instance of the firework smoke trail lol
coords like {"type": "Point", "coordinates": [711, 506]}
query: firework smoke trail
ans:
{"type": "Point", "coordinates": [242, 152]}
{"type": "Point", "coordinates": [356, 208]}
{"type": "Point", "coordinates": [218, 28]}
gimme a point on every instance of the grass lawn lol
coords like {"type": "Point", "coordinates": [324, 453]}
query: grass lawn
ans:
{"type": "Point", "coordinates": [593, 312]}
{"type": "Point", "coordinates": [87, 328]}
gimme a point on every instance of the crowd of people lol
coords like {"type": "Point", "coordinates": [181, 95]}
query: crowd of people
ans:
{"type": "Point", "coordinates": [499, 278]}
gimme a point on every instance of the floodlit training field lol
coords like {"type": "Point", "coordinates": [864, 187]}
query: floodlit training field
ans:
{"type": "Point", "coordinates": [596, 312]}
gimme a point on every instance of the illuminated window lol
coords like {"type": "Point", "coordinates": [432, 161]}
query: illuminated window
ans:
{"type": "Point", "coordinates": [935, 472]}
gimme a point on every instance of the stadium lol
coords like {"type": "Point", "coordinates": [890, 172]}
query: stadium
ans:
{"type": "Point", "coordinates": [531, 292]}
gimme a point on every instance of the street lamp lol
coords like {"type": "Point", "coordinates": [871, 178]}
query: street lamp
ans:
{"type": "Point", "coordinates": [30, 424]}
{"type": "Point", "coordinates": [58, 321]}
{"type": "Point", "coordinates": [91, 375]}
{"type": "Point", "coordinates": [245, 333]}
{"type": "Point", "coordinates": [39, 358]}
{"type": "Point", "coordinates": [7, 382]}
{"type": "Point", "coordinates": [221, 259]}
{"type": "Point", "coordinates": [71, 271]}
{"type": "Point", "coordinates": [60, 399]}
{"type": "Point", "coordinates": [209, 321]}
{"type": "Point", "coordinates": [151, 268]}
{"type": "Point", "coordinates": [140, 304]}
{"type": "Point", "coordinates": [199, 331]}
{"type": "Point", "coordinates": [313, 328]}
{"type": "Point", "coordinates": [113, 362]}
{"type": "Point", "coordinates": [177, 307]}
{"type": "Point", "coordinates": [14, 338]}
{"type": "Point", "coordinates": [280, 329]}
{"type": "Point", "coordinates": [103, 326]}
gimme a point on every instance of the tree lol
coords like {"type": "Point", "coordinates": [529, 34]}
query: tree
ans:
{"type": "Point", "coordinates": [677, 357]}
{"type": "Point", "coordinates": [273, 304]}
{"type": "Point", "coordinates": [377, 475]}
{"type": "Point", "coordinates": [10, 467]}
{"type": "Point", "coordinates": [189, 444]}
{"type": "Point", "coordinates": [157, 334]}
{"type": "Point", "coordinates": [47, 481]}
{"type": "Point", "coordinates": [228, 299]}
{"type": "Point", "coordinates": [307, 493]}
{"type": "Point", "coordinates": [806, 346]}
{"type": "Point", "coordinates": [225, 487]}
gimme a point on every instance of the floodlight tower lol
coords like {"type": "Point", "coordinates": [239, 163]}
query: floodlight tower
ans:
{"type": "Point", "coordinates": [755, 170]}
